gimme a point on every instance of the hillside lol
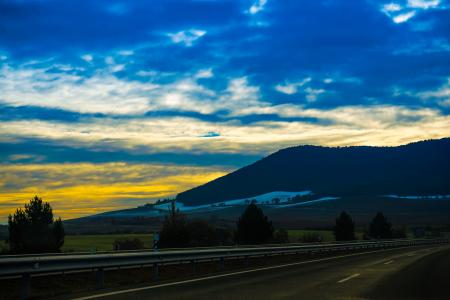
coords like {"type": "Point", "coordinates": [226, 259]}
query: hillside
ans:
{"type": "Point", "coordinates": [421, 168]}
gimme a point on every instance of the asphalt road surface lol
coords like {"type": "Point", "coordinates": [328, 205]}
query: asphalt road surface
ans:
{"type": "Point", "coordinates": [408, 273]}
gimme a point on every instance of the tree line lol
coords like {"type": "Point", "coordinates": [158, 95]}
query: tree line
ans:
{"type": "Point", "coordinates": [33, 229]}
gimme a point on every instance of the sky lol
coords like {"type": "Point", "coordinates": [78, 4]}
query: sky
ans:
{"type": "Point", "coordinates": [106, 105]}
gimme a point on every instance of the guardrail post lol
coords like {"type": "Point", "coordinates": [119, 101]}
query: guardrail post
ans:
{"type": "Point", "coordinates": [100, 278]}
{"type": "Point", "coordinates": [25, 286]}
{"type": "Point", "coordinates": [221, 264]}
{"type": "Point", "coordinates": [246, 261]}
{"type": "Point", "coordinates": [194, 267]}
{"type": "Point", "coordinates": [155, 271]}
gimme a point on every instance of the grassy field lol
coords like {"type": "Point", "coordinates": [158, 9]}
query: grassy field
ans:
{"type": "Point", "coordinates": [101, 242]}
{"type": "Point", "coordinates": [296, 235]}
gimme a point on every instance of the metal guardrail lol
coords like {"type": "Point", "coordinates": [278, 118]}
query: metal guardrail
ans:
{"type": "Point", "coordinates": [26, 266]}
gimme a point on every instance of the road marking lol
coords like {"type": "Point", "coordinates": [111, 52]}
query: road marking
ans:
{"type": "Point", "coordinates": [388, 262]}
{"type": "Point", "coordinates": [348, 278]}
{"type": "Point", "coordinates": [230, 274]}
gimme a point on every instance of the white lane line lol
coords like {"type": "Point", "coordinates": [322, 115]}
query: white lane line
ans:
{"type": "Point", "coordinates": [229, 274]}
{"type": "Point", "coordinates": [388, 262]}
{"type": "Point", "coordinates": [348, 278]}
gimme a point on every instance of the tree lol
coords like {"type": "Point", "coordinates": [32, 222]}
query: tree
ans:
{"type": "Point", "coordinates": [174, 232]}
{"type": "Point", "coordinates": [33, 229]}
{"type": "Point", "coordinates": [380, 228]}
{"type": "Point", "coordinates": [344, 230]}
{"type": "Point", "coordinates": [253, 227]}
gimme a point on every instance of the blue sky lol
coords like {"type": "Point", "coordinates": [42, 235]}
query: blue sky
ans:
{"type": "Point", "coordinates": [209, 86]}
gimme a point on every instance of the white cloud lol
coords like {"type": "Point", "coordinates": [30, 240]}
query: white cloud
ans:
{"type": "Point", "coordinates": [204, 73]}
{"type": "Point", "coordinates": [352, 125]}
{"type": "Point", "coordinates": [187, 37]}
{"type": "Point", "coordinates": [312, 94]}
{"type": "Point", "coordinates": [401, 14]}
{"type": "Point", "coordinates": [404, 17]}
{"type": "Point", "coordinates": [328, 80]}
{"type": "Point", "coordinates": [423, 4]}
{"type": "Point", "coordinates": [126, 52]}
{"type": "Point", "coordinates": [143, 73]}
{"type": "Point", "coordinates": [105, 93]}
{"type": "Point", "coordinates": [257, 6]}
{"type": "Point", "coordinates": [118, 68]}
{"type": "Point", "coordinates": [391, 7]}
{"type": "Point", "coordinates": [291, 88]}
{"type": "Point", "coordinates": [441, 95]}
{"type": "Point", "coordinates": [87, 57]}
{"type": "Point", "coordinates": [288, 89]}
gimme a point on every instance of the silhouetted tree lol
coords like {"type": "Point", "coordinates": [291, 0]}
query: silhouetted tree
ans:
{"type": "Point", "coordinates": [380, 228]}
{"type": "Point", "coordinates": [33, 229]}
{"type": "Point", "coordinates": [174, 232]}
{"type": "Point", "coordinates": [253, 227]}
{"type": "Point", "coordinates": [344, 230]}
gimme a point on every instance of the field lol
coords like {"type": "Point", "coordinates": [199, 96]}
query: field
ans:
{"type": "Point", "coordinates": [100, 242]}
{"type": "Point", "coordinates": [103, 242]}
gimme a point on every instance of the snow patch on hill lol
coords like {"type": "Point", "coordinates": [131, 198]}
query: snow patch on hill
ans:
{"type": "Point", "coordinates": [267, 198]}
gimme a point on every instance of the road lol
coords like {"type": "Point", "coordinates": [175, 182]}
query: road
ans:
{"type": "Point", "coordinates": [409, 273]}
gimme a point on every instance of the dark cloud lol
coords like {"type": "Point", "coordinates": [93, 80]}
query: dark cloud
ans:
{"type": "Point", "coordinates": [54, 152]}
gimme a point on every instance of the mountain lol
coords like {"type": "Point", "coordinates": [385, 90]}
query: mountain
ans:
{"type": "Point", "coordinates": [416, 169]}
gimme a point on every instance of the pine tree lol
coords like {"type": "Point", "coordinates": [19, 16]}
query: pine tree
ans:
{"type": "Point", "coordinates": [344, 229]}
{"type": "Point", "coordinates": [33, 229]}
{"type": "Point", "coordinates": [253, 227]}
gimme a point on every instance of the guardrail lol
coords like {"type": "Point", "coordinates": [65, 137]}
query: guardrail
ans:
{"type": "Point", "coordinates": [27, 266]}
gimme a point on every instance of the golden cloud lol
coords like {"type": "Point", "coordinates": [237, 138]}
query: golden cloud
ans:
{"type": "Point", "coordinates": [81, 189]}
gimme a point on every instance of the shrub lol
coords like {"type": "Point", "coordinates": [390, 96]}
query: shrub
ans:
{"type": "Point", "coordinates": [128, 244]}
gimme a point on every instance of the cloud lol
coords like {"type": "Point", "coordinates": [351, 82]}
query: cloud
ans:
{"type": "Point", "coordinates": [377, 125]}
{"type": "Point", "coordinates": [440, 95]}
{"type": "Point", "coordinates": [423, 4]}
{"type": "Point", "coordinates": [126, 52]}
{"type": "Point", "coordinates": [95, 187]}
{"type": "Point", "coordinates": [404, 17]}
{"type": "Point", "coordinates": [401, 14]}
{"type": "Point", "coordinates": [204, 73]}
{"type": "Point", "coordinates": [257, 6]}
{"type": "Point", "coordinates": [146, 81]}
{"type": "Point", "coordinates": [313, 94]}
{"type": "Point", "coordinates": [87, 57]}
{"type": "Point", "coordinates": [187, 37]}
{"type": "Point", "coordinates": [391, 7]}
{"type": "Point", "coordinates": [291, 88]}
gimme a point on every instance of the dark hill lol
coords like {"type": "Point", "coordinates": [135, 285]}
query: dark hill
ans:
{"type": "Point", "coordinates": [421, 168]}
